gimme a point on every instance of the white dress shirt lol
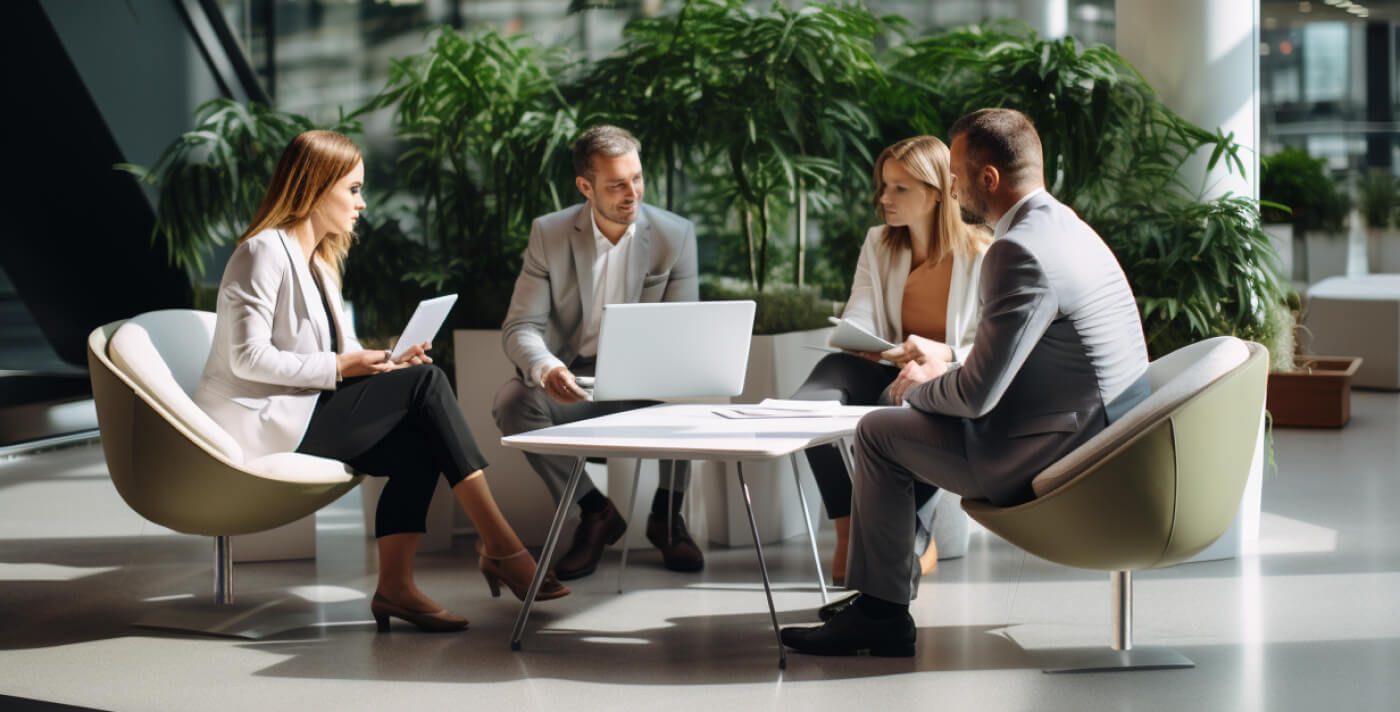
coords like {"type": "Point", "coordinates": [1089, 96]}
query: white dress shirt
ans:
{"type": "Point", "coordinates": [609, 287]}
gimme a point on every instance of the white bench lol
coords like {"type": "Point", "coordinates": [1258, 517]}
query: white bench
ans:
{"type": "Point", "coordinates": [1358, 316]}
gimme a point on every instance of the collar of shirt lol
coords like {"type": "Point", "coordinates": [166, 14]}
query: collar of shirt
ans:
{"type": "Point", "coordinates": [1004, 223]}
{"type": "Point", "coordinates": [601, 242]}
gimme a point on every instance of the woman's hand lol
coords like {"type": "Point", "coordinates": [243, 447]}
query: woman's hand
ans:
{"type": "Point", "coordinates": [363, 363]}
{"type": "Point", "coordinates": [416, 354]}
{"type": "Point", "coordinates": [917, 349]}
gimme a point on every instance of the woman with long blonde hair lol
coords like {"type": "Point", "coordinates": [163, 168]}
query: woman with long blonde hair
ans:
{"type": "Point", "coordinates": [915, 285]}
{"type": "Point", "coordinates": [286, 374]}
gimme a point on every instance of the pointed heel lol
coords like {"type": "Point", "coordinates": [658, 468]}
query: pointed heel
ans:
{"type": "Point", "coordinates": [495, 574]}
{"type": "Point", "coordinates": [381, 622]}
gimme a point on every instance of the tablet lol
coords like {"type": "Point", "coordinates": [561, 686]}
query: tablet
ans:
{"type": "Point", "coordinates": [424, 323]}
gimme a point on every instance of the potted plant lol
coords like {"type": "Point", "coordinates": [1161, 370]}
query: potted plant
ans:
{"type": "Point", "coordinates": [1307, 391]}
{"type": "Point", "coordinates": [1297, 189]}
{"type": "Point", "coordinates": [1378, 201]}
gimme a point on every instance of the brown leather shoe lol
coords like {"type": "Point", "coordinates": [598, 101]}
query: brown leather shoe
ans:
{"type": "Point", "coordinates": [594, 533]}
{"type": "Point", "coordinates": [678, 550]}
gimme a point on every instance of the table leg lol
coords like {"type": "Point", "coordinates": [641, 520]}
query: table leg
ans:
{"type": "Point", "coordinates": [542, 567]}
{"type": "Point", "coordinates": [811, 534]}
{"type": "Point", "coordinates": [763, 567]}
{"type": "Point", "coordinates": [631, 510]}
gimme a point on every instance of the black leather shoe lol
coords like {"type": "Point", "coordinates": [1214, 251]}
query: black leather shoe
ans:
{"type": "Point", "coordinates": [594, 533]}
{"type": "Point", "coordinates": [851, 632]}
{"type": "Point", "coordinates": [831, 610]}
{"type": "Point", "coordinates": [678, 550]}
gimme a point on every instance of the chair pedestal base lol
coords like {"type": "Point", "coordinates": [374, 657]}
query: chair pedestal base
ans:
{"type": "Point", "coordinates": [1110, 660]}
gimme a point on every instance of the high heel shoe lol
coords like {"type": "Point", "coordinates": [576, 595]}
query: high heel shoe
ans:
{"type": "Point", "coordinates": [439, 622]}
{"type": "Point", "coordinates": [494, 571]}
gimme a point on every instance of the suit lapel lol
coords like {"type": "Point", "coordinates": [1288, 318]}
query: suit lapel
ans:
{"type": "Point", "coordinates": [307, 290]}
{"type": "Point", "coordinates": [638, 255]}
{"type": "Point", "coordinates": [584, 254]}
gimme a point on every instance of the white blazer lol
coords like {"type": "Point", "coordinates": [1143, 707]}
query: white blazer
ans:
{"type": "Point", "coordinates": [272, 353]}
{"type": "Point", "coordinates": [877, 293]}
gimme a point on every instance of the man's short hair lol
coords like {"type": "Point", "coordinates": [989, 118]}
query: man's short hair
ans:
{"type": "Point", "coordinates": [604, 140]}
{"type": "Point", "coordinates": [1004, 138]}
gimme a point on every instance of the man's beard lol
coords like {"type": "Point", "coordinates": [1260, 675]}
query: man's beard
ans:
{"type": "Point", "coordinates": [970, 217]}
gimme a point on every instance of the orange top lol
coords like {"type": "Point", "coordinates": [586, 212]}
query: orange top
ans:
{"type": "Point", "coordinates": [925, 310]}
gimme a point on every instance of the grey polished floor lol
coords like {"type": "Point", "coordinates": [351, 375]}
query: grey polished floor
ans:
{"type": "Point", "coordinates": [1307, 622]}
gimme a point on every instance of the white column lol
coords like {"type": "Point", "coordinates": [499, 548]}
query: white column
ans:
{"type": "Point", "coordinates": [1202, 57]}
{"type": "Point", "coordinates": [1050, 18]}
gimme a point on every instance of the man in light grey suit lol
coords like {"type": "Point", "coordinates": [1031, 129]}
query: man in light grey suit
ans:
{"type": "Point", "coordinates": [611, 249]}
{"type": "Point", "coordinates": [1059, 353]}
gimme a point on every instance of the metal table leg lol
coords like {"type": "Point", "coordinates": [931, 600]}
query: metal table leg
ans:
{"type": "Point", "coordinates": [811, 534]}
{"type": "Point", "coordinates": [542, 568]}
{"type": "Point", "coordinates": [631, 507]}
{"type": "Point", "coordinates": [763, 567]}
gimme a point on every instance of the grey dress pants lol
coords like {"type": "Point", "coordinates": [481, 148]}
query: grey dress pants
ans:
{"type": "Point", "coordinates": [853, 380]}
{"type": "Point", "coordinates": [520, 408]}
{"type": "Point", "coordinates": [897, 449]}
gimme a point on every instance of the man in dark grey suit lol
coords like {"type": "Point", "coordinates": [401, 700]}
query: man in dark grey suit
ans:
{"type": "Point", "coordinates": [611, 249]}
{"type": "Point", "coordinates": [1059, 353]}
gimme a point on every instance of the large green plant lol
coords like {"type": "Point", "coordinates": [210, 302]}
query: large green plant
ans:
{"type": "Point", "coordinates": [1378, 198]}
{"type": "Point", "coordinates": [485, 127]}
{"type": "Point", "coordinates": [762, 110]}
{"type": "Point", "coordinates": [1297, 189]}
{"type": "Point", "coordinates": [210, 180]}
{"type": "Point", "coordinates": [1101, 126]}
{"type": "Point", "coordinates": [1198, 269]}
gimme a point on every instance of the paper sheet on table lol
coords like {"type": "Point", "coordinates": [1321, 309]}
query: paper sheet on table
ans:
{"type": "Point", "coordinates": [779, 408]}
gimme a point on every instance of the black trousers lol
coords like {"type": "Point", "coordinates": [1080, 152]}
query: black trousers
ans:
{"type": "Point", "coordinates": [854, 381]}
{"type": "Point", "coordinates": [404, 425]}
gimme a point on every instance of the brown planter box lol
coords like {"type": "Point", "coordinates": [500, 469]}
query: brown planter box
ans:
{"type": "Point", "coordinates": [1318, 395]}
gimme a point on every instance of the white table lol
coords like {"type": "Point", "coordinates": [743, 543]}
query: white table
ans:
{"type": "Point", "coordinates": [683, 432]}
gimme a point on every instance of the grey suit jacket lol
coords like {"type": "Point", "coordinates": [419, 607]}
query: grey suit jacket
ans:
{"type": "Point", "coordinates": [1059, 351]}
{"type": "Point", "coordinates": [555, 287]}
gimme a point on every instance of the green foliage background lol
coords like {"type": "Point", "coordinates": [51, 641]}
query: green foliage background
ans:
{"type": "Point", "coordinates": [761, 127]}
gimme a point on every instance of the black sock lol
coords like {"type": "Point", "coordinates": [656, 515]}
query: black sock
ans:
{"type": "Point", "coordinates": [880, 609]}
{"type": "Point", "coordinates": [662, 496]}
{"type": "Point", "coordinates": [593, 502]}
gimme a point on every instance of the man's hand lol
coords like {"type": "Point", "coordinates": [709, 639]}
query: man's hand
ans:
{"type": "Point", "coordinates": [560, 384]}
{"type": "Point", "coordinates": [917, 349]}
{"type": "Point", "coordinates": [913, 374]}
{"type": "Point", "coordinates": [363, 363]}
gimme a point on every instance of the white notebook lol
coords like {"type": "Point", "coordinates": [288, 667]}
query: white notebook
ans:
{"type": "Point", "coordinates": [850, 336]}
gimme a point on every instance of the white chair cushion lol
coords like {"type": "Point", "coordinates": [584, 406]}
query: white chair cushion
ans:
{"type": "Point", "coordinates": [1174, 378]}
{"type": "Point", "coordinates": [299, 467]}
{"type": "Point", "coordinates": [133, 351]}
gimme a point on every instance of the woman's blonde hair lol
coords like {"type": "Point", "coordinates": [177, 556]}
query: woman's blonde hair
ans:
{"type": "Point", "coordinates": [927, 159]}
{"type": "Point", "coordinates": [307, 170]}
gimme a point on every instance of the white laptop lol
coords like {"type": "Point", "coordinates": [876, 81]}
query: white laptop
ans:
{"type": "Point", "coordinates": [672, 350]}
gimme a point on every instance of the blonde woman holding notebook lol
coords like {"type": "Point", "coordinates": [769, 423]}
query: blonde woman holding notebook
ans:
{"type": "Point", "coordinates": [916, 286]}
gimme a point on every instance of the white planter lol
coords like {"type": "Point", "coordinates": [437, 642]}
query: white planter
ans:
{"type": "Point", "coordinates": [778, 364]}
{"type": "Point", "coordinates": [482, 368]}
{"type": "Point", "coordinates": [1383, 250]}
{"type": "Point", "coordinates": [1281, 237]}
{"type": "Point", "coordinates": [1327, 256]}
